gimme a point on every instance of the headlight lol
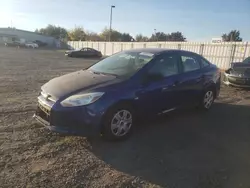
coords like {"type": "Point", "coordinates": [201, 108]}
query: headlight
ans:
{"type": "Point", "coordinates": [81, 99]}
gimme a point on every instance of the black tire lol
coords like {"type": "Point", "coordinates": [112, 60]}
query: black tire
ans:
{"type": "Point", "coordinates": [207, 99]}
{"type": "Point", "coordinates": [108, 132]}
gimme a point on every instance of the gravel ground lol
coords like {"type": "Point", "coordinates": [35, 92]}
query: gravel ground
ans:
{"type": "Point", "coordinates": [186, 149]}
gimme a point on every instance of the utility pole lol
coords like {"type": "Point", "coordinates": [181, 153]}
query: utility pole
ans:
{"type": "Point", "coordinates": [231, 37]}
{"type": "Point", "coordinates": [156, 35]}
{"type": "Point", "coordinates": [110, 25]}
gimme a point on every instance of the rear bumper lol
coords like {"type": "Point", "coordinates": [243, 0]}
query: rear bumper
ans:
{"type": "Point", "coordinates": [236, 81]}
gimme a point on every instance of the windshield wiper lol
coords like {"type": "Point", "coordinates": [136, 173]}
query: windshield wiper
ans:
{"type": "Point", "coordinates": [95, 72]}
{"type": "Point", "coordinates": [103, 73]}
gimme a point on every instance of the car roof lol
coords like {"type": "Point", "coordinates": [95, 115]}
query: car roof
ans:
{"type": "Point", "coordinates": [156, 50]}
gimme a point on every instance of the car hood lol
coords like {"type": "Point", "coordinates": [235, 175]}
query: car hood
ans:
{"type": "Point", "coordinates": [75, 82]}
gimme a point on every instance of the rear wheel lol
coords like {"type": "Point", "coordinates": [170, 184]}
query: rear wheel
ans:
{"type": "Point", "coordinates": [118, 123]}
{"type": "Point", "coordinates": [207, 99]}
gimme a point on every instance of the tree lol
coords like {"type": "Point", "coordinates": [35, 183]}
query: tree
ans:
{"type": "Point", "coordinates": [176, 36]}
{"type": "Point", "coordinates": [141, 38]}
{"type": "Point", "coordinates": [126, 37]}
{"type": "Point", "coordinates": [115, 35]}
{"type": "Point", "coordinates": [233, 35]}
{"type": "Point", "coordinates": [54, 31]}
{"type": "Point", "coordinates": [77, 34]}
{"type": "Point", "coordinates": [92, 36]}
{"type": "Point", "coordinates": [159, 36]}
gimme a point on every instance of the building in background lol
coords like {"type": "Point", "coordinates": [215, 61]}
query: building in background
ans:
{"type": "Point", "coordinates": [22, 36]}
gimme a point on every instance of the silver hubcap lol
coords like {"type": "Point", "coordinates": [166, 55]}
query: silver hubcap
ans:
{"type": "Point", "coordinates": [121, 123]}
{"type": "Point", "coordinates": [208, 99]}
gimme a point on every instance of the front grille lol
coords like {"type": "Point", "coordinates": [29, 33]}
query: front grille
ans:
{"type": "Point", "coordinates": [45, 103]}
{"type": "Point", "coordinates": [43, 112]}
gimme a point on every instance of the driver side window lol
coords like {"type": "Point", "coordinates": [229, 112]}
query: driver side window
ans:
{"type": "Point", "coordinates": [166, 65]}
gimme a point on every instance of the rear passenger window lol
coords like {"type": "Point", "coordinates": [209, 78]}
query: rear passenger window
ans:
{"type": "Point", "coordinates": [90, 50]}
{"type": "Point", "coordinates": [165, 66]}
{"type": "Point", "coordinates": [189, 63]}
{"type": "Point", "coordinates": [204, 63]}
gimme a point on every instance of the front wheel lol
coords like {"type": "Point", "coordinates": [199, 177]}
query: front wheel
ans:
{"type": "Point", "coordinates": [118, 123]}
{"type": "Point", "coordinates": [207, 100]}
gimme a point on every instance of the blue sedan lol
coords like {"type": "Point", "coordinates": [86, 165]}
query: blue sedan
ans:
{"type": "Point", "coordinates": [107, 97]}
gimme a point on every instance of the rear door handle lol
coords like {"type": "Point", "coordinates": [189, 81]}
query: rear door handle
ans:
{"type": "Point", "coordinates": [141, 92]}
{"type": "Point", "coordinates": [200, 78]}
{"type": "Point", "coordinates": [171, 86]}
{"type": "Point", "coordinates": [176, 83]}
{"type": "Point", "coordinates": [165, 88]}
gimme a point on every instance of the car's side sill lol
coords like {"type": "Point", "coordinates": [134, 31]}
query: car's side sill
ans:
{"type": "Point", "coordinates": [166, 111]}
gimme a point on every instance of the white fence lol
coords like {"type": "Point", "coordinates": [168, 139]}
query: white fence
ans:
{"type": "Point", "coordinates": [221, 54]}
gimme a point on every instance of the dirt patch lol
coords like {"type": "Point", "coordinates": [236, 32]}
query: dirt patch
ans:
{"type": "Point", "coordinates": [183, 149]}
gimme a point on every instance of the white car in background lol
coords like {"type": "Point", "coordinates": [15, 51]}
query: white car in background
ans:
{"type": "Point", "coordinates": [31, 45]}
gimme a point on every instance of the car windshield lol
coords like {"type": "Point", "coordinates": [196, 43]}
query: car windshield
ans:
{"type": "Point", "coordinates": [123, 63]}
{"type": "Point", "coordinates": [247, 60]}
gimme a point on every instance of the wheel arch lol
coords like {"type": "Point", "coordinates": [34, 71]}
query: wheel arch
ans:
{"type": "Point", "coordinates": [126, 102]}
{"type": "Point", "coordinates": [211, 86]}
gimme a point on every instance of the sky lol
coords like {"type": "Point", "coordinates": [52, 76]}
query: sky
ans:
{"type": "Point", "coordinates": [198, 20]}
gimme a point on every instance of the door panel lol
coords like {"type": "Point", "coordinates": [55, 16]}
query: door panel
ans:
{"type": "Point", "coordinates": [91, 53]}
{"type": "Point", "coordinates": [191, 86]}
{"type": "Point", "coordinates": [82, 52]}
{"type": "Point", "coordinates": [159, 95]}
{"type": "Point", "coordinates": [191, 80]}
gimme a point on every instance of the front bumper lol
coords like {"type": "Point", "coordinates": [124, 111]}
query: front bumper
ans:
{"type": "Point", "coordinates": [74, 120]}
{"type": "Point", "coordinates": [81, 130]}
{"type": "Point", "coordinates": [236, 81]}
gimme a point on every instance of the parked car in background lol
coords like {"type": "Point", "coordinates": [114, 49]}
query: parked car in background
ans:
{"type": "Point", "coordinates": [84, 52]}
{"type": "Point", "coordinates": [31, 45]}
{"type": "Point", "coordinates": [238, 74]}
{"type": "Point", "coordinates": [40, 43]}
{"type": "Point", "coordinates": [109, 96]}
{"type": "Point", "coordinates": [14, 44]}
